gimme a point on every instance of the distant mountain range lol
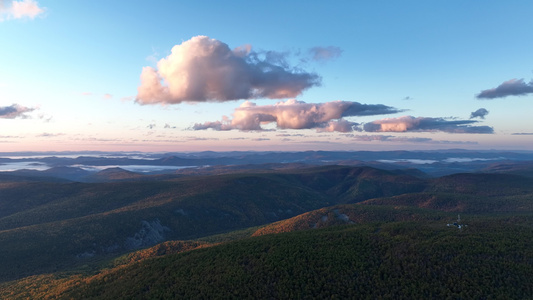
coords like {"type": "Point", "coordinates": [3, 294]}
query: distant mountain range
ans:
{"type": "Point", "coordinates": [83, 167]}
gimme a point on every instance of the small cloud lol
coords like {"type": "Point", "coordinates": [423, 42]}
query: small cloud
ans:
{"type": "Point", "coordinates": [513, 87]}
{"type": "Point", "coordinates": [325, 53]}
{"type": "Point", "coordinates": [371, 138]}
{"type": "Point", "coordinates": [260, 139]}
{"type": "Point", "coordinates": [523, 133]}
{"type": "Point", "coordinates": [127, 98]}
{"type": "Point", "coordinates": [288, 134]}
{"type": "Point", "coordinates": [151, 126]}
{"type": "Point", "coordinates": [19, 9]}
{"type": "Point", "coordinates": [407, 98]}
{"type": "Point", "coordinates": [45, 118]}
{"type": "Point", "coordinates": [217, 125]}
{"type": "Point", "coordinates": [411, 140]}
{"type": "Point", "coordinates": [195, 138]}
{"type": "Point", "coordinates": [107, 96]}
{"type": "Point", "coordinates": [204, 69]}
{"type": "Point", "coordinates": [167, 126]}
{"type": "Point", "coordinates": [293, 114]}
{"type": "Point", "coordinates": [87, 94]}
{"type": "Point", "coordinates": [14, 111]}
{"type": "Point", "coordinates": [480, 113]}
{"type": "Point", "coordinates": [96, 139]}
{"type": "Point", "coordinates": [424, 124]}
{"type": "Point", "coordinates": [48, 135]}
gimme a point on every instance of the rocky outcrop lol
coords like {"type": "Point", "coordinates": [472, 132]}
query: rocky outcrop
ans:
{"type": "Point", "coordinates": [150, 234]}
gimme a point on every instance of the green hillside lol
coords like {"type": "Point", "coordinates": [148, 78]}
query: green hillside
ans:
{"type": "Point", "coordinates": [350, 214]}
{"type": "Point", "coordinates": [489, 259]}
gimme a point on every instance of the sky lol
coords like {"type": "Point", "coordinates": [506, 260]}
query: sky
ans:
{"type": "Point", "coordinates": [165, 76]}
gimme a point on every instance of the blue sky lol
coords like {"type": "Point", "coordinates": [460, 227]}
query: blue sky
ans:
{"type": "Point", "coordinates": [392, 75]}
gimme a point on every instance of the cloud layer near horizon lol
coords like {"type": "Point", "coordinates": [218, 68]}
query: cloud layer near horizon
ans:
{"type": "Point", "coordinates": [513, 87]}
{"type": "Point", "coordinates": [19, 9]}
{"type": "Point", "coordinates": [293, 114]}
{"type": "Point", "coordinates": [390, 138]}
{"type": "Point", "coordinates": [421, 124]}
{"type": "Point", "coordinates": [205, 69]}
{"type": "Point", "coordinates": [14, 111]}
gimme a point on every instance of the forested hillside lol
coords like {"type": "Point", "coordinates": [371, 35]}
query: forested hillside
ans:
{"type": "Point", "coordinates": [490, 259]}
{"type": "Point", "coordinates": [67, 239]}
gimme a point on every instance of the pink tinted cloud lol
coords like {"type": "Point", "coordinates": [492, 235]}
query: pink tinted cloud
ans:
{"type": "Point", "coordinates": [19, 9]}
{"type": "Point", "coordinates": [420, 124]}
{"type": "Point", "coordinates": [293, 114]}
{"type": "Point", "coordinates": [205, 69]}
{"type": "Point", "coordinates": [340, 125]}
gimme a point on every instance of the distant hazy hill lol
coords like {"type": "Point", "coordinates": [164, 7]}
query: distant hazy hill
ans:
{"type": "Point", "coordinates": [112, 174]}
{"type": "Point", "coordinates": [66, 173]}
{"type": "Point", "coordinates": [474, 193]}
{"type": "Point", "coordinates": [517, 168]}
{"type": "Point", "coordinates": [433, 163]}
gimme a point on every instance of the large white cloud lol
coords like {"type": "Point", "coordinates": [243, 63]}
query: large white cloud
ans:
{"type": "Point", "coordinates": [205, 69]}
{"type": "Point", "coordinates": [293, 114]}
{"type": "Point", "coordinates": [19, 9]}
{"type": "Point", "coordinates": [410, 123]}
